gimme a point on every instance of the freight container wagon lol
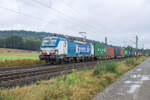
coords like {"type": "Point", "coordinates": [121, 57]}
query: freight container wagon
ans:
{"type": "Point", "coordinates": [126, 53]}
{"type": "Point", "coordinates": [136, 52]}
{"type": "Point", "coordinates": [117, 52]}
{"type": "Point", "coordinates": [110, 52]}
{"type": "Point", "coordinates": [139, 53]}
{"type": "Point", "coordinates": [122, 52]}
{"type": "Point", "coordinates": [130, 53]}
{"type": "Point", "coordinates": [133, 52]}
{"type": "Point", "coordinates": [100, 50]}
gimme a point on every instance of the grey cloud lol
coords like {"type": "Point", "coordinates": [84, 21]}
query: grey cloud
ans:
{"type": "Point", "coordinates": [114, 19]}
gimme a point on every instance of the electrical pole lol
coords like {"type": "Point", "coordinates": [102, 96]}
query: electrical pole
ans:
{"type": "Point", "coordinates": [136, 42]}
{"type": "Point", "coordinates": [143, 43]}
{"type": "Point", "coordinates": [106, 40]}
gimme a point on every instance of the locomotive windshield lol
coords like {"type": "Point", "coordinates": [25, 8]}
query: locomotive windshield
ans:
{"type": "Point", "coordinates": [49, 42]}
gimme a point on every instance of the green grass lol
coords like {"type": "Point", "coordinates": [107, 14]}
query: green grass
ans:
{"type": "Point", "coordinates": [80, 85]}
{"type": "Point", "coordinates": [20, 52]}
{"type": "Point", "coordinates": [130, 61]}
{"type": "Point", "coordinates": [106, 67]}
{"type": "Point", "coordinates": [16, 57]}
{"type": "Point", "coordinates": [21, 62]}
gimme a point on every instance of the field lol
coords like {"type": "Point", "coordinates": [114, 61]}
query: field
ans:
{"type": "Point", "coordinates": [15, 54]}
{"type": "Point", "coordinates": [16, 57]}
{"type": "Point", "coordinates": [82, 85]}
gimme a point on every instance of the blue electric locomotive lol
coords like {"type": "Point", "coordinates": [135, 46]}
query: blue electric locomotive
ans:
{"type": "Point", "coordinates": [58, 50]}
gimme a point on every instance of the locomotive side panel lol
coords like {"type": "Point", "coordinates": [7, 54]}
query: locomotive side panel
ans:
{"type": "Point", "coordinates": [62, 48]}
{"type": "Point", "coordinates": [83, 49]}
{"type": "Point", "coordinates": [71, 48]}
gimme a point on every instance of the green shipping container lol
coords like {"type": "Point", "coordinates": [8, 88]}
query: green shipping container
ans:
{"type": "Point", "coordinates": [100, 49]}
{"type": "Point", "coordinates": [126, 52]}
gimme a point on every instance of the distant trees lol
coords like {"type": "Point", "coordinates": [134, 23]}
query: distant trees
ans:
{"type": "Point", "coordinates": [25, 34]}
{"type": "Point", "coordinates": [18, 42]}
{"type": "Point", "coordinates": [32, 45]}
{"type": "Point", "coordinates": [2, 44]}
{"type": "Point", "coordinates": [14, 41]}
{"type": "Point", "coordinates": [129, 48]}
{"type": "Point", "coordinates": [29, 40]}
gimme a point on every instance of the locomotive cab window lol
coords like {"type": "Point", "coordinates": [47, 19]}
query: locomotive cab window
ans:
{"type": "Point", "coordinates": [49, 42]}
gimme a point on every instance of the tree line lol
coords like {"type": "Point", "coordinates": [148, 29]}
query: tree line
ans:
{"type": "Point", "coordinates": [18, 42]}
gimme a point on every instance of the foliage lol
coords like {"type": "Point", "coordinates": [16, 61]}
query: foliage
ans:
{"type": "Point", "coordinates": [32, 35]}
{"type": "Point", "coordinates": [18, 42]}
{"type": "Point", "coordinates": [81, 85]}
{"type": "Point", "coordinates": [72, 78]}
{"type": "Point", "coordinates": [1, 97]}
{"type": "Point", "coordinates": [129, 48]}
{"type": "Point", "coordinates": [130, 61]}
{"type": "Point", "coordinates": [21, 62]}
{"type": "Point", "coordinates": [106, 67]}
{"type": "Point", "coordinates": [16, 57]}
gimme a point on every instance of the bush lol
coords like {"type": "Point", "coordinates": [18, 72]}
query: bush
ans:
{"type": "Point", "coordinates": [72, 78]}
{"type": "Point", "coordinates": [21, 62]}
{"type": "Point", "coordinates": [106, 67]}
{"type": "Point", "coordinates": [81, 85]}
{"type": "Point", "coordinates": [1, 97]}
{"type": "Point", "coordinates": [8, 97]}
{"type": "Point", "coordinates": [129, 62]}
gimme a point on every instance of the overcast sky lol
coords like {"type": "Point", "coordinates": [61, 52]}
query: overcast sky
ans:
{"type": "Point", "coordinates": [119, 20]}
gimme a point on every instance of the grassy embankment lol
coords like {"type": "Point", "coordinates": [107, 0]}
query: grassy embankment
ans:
{"type": "Point", "coordinates": [82, 85]}
{"type": "Point", "coordinates": [15, 57]}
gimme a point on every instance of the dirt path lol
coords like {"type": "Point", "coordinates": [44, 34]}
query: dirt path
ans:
{"type": "Point", "coordinates": [134, 85]}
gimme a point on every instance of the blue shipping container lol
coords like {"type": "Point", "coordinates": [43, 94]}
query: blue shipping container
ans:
{"type": "Point", "coordinates": [83, 49]}
{"type": "Point", "coordinates": [117, 51]}
{"type": "Point", "coordinates": [130, 52]}
{"type": "Point", "coordinates": [71, 48]}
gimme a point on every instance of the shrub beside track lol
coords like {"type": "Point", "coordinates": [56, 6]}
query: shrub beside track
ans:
{"type": "Point", "coordinates": [21, 62]}
{"type": "Point", "coordinates": [81, 85]}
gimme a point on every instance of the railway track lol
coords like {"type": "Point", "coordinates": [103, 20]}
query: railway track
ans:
{"type": "Point", "coordinates": [42, 65]}
{"type": "Point", "coordinates": [14, 77]}
{"type": "Point", "coordinates": [10, 77]}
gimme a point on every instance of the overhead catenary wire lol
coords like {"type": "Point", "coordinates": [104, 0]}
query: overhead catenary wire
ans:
{"type": "Point", "coordinates": [26, 15]}
{"type": "Point", "coordinates": [67, 18]}
{"type": "Point", "coordinates": [34, 17]}
{"type": "Point", "coordinates": [70, 20]}
{"type": "Point", "coordinates": [78, 14]}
